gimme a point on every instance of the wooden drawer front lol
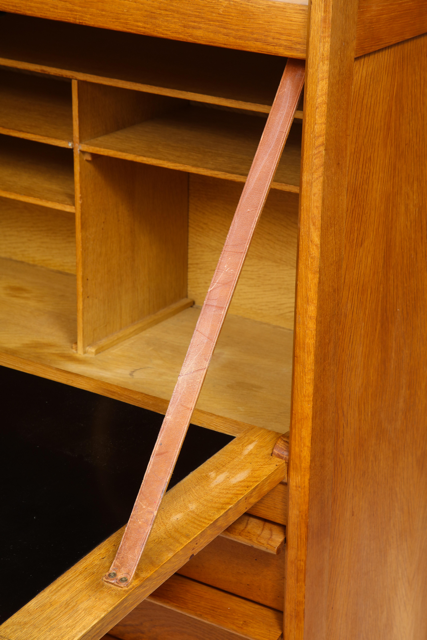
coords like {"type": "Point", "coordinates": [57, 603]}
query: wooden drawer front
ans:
{"type": "Point", "coordinates": [239, 569]}
{"type": "Point", "coordinates": [273, 506]}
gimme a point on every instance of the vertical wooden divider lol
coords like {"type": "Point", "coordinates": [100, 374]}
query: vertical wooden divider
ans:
{"type": "Point", "coordinates": [132, 224]}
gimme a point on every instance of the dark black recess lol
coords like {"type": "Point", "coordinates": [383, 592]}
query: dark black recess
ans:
{"type": "Point", "coordinates": [72, 462]}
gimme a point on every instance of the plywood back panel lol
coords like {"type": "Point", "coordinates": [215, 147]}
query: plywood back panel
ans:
{"type": "Point", "coordinates": [266, 289]}
{"type": "Point", "coordinates": [37, 235]}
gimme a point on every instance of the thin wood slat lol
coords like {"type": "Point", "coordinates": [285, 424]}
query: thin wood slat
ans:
{"type": "Point", "coordinates": [248, 619]}
{"type": "Point", "coordinates": [36, 108]}
{"type": "Point", "coordinates": [178, 69]}
{"type": "Point", "coordinates": [151, 620]}
{"type": "Point", "coordinates": [203, 141]}
{"type": "Point", "coordinates": [36, 173]}
{"type": "Point", "coordinates": [209, 325]}
{"type": "Point", "coordinates": [266, 26]}
{"type": "Point", "coordinates": [257, 533]}
{"type": "Point", "coordinates": [244, 571]}
{"type": "Point", "coordinates": [273, 506]}
{"type": "Point", "coordinates": [80, 606]}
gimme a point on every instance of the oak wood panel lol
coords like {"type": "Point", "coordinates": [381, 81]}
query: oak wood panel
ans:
{"type": "Point", "coordinates": [244, 571]}
{"type": "Point", "coordinates": [379, 522]}
{"type": "Point", "coordinates": [80, 606]}
{"type": "Point", "coordinates": [37, 173]}
{"type": "Point", "coordinates": [179, 69]}
{"type": "Point", "coordinates": [221, 609]}
{"type": "Point", "coordinates": [266, 289]}
{"type": "Point", "coordinates": [103, 109]}
{"type": "Point", "coordinates": [37, 235]}
{"type": "Point", "coordinates": [151, 620]}
{"type": "Point", "coordinates": [138, 264]}
{"type": "Point", "coordinates": [257, 533]}
{"type": "Point", "coordinates": [273, 506]}
{"type": "Point", "coordinates": [35, 108]}
{"type": "Point", "coordinates": [264, 26]}
{"type": "Point", "coordinates": [381, 23]}
{"type": "Point", "coordinates": [38, 321]}
{"type": "Point", "coordinates": [326, 126]}
{"type": "Point", "coordinates": [209, 142]}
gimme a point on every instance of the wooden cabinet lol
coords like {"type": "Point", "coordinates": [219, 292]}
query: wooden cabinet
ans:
{"type": "Point", "coordinates": [127, 132]}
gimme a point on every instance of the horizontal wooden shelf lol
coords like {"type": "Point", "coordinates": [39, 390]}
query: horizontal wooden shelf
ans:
{"type": "Point", "coordinates": [258, 533]}
{"type": "Point", "coordinates": [209, 142]}
{"type": "Point", "coordinates": [179, 69]}
{"type": "Point", "coordinates": [36, 108]}
{"type": "Point", "coordinates": [38, 319]}
{"type": "Point", "coordinates": [36, 173]}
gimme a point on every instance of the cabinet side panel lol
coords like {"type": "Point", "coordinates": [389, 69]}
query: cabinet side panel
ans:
{"type": "Point", "coordinates": [378, 543]}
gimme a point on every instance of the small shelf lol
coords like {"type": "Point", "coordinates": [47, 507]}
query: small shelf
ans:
{"type": "Point", "coordinates": [36, 108]}
{"type": "Point", "coordinates": [227, 77]}
{"type": "Point", "coordinates": [36, 173]}
{"type": "Point", "coordinates": [209, 142]}
{"type": "Point", "coordinates": [38, 319]}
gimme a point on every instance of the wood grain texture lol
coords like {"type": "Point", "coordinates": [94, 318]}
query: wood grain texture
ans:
{"type": "Point", "coordinates": [133, 329]}
{"type": "Point", "coordinates": [35, 108]}
{"type": "Point", "coordinates": [151, 620]}
{"type": "Point", "coordinates": [103, 109]}
{"type": "Point", "coordinates": [208, 142]}
{"type": "Point", "coordinates": [273, 506]}
{"type": "Point", "coordinates": [36, 173]}
{"type": "Point", "coordinates": [241, 570]}
{"type": "Point", "coordinates": [326, 127]}
{"type": "Point", "coordinates": [257, 533]}
{"type": "Point", "coordinates": [80, 606]}
{"type": "Point", "coordinates": [209, 325]}
{"type": "Point", "coordinates": [138, 215]}
{"type": "Point", "coordinates": [38, 328]}
{"type": "Point", "coordinates": [37, 235]}
{"type": "Point", "coordinates": [378, 523]}
{"type": "Point", "coordinates": [264, 26]}
{"type": "Point", "coordinates": [266, 289]}
{"type": "Point", "coordinates": [381, 23]}
{"type": "Point", "coordinates": [221, 609]}
{"type": "Point", "coordinates": [179, 69]}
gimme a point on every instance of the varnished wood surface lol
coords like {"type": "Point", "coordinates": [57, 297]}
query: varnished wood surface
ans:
{"type": "Point", "coordinates": [376, 536]}
{"type": "Point", "coordinates": [80, 606]}
{"type": "Point", "coordinates": [264, 26]}
{"type": "Point", "coordinates": [208, 328]}
{"type": "Point", "coordinates": [273, 506]}
{"type": "Point", "coordinates": [35, 108]}
{"type": "Point", "coordinates": [221, 609]}
{"type": "Point", "coordinates": [257, 533]}
{"type": "Point", "coordinates": [244, 571]}
{"type": "Point", "coordinates": [36, 173]}
{"type": "Point", "coordinates": [151, 620]}
{"type": "Point", "coordinates": [37, 235]}
{"type": "Point", "coordinates": [266, 289]}
{"type": "Point", "coordinates": [323, 190]}
{"type": "Point", "coordinates": [38, 328]}
{"type": "Point", "coordinates": [381, 23]}
{"type": "Point", "coordinates": [138, 215]}
{"type": "Point", "coordinates": [204, 141]}
{"type": "Point", "coordinates": [182, 70]}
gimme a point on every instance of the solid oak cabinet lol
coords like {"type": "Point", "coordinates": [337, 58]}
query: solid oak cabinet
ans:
{"type": "Point", "coordinates": [127, 131]}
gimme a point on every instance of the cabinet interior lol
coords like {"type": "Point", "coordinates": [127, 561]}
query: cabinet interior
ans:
{"type": "Point", "coordinates": [122, 161]}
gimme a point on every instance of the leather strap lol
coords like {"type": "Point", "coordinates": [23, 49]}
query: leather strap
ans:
{"type": "Point", "coordinates": [211, 319]}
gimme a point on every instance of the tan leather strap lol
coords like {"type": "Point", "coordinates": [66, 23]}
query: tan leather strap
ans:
{"type": "Point", "coordinates": [211, 319]}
